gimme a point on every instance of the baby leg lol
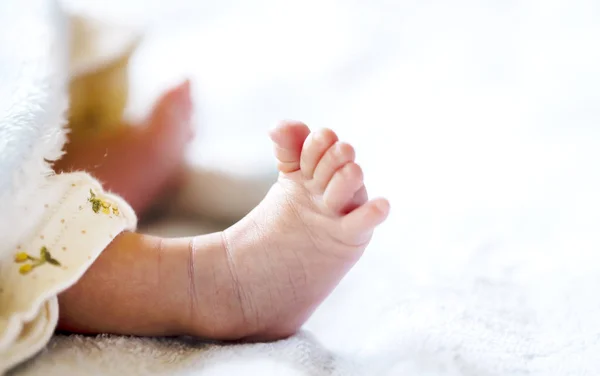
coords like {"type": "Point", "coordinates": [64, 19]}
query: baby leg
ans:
{"type": "Point", "coordinates": [259, 279]}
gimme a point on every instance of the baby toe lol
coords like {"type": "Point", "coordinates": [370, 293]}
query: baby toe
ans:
{"type": "Point", "coordinates": [288, 138]}
{"type": "Point", "coordinates": [346, 189]}
{"type": "Point", "coordinates": [338, 155]}
{"type": "Point", "coordinates": [313, 150]}
{"type": "Point", "coordinates": [357, 227]}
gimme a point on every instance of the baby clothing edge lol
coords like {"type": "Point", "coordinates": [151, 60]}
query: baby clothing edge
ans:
{"type": "Point", "coordinates": [80, 220]}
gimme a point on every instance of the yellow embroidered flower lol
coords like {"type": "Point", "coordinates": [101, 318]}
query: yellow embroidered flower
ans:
{"type": "Point", "coordinates": [45, 258]}
{"type": "Point", "coordinates": [24, 269]}
{"type": "Point", "coordinates": [100, 205]}
{"type": "Point", "coordinates": [21, 257]}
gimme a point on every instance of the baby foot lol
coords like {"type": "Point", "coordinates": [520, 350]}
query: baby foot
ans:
{"type": "Point", "coordinates": [288, 254]}
{"type": "Point", "coordinates": [140, 162]}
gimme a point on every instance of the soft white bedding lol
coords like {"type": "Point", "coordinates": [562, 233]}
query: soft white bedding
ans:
{"type": "Point", "coordinates": [480, 120]}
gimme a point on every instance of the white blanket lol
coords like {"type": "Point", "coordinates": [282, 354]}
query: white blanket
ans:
{"type": "Point", "coordinates": [479, 120]}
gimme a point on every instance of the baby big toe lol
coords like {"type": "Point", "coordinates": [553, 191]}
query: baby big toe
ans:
{"type": "Point", "coordinates": [357, 227]}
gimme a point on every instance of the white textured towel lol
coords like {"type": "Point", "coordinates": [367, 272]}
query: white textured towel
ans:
{"type": "Point", "coordinates": [479, 120]}
{"type": "Point", "coordinates": [105, 355]}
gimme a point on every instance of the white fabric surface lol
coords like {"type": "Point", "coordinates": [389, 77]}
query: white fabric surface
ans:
{"type": "Point", "coordinates": [73, 230]}
{"type": "Point", "coordinates": [33, 70]}
{"type": "Point", "coordinates": [479, 120]}
{"type": "Point", "coordinates": [45, 245]}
